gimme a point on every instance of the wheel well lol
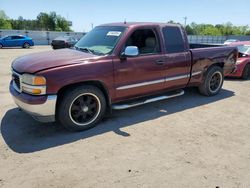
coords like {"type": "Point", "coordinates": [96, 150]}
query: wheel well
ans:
{"type": "Point", "coordinates": [97, 84]}
{"type": "Point", "coordinates": [219, 64]}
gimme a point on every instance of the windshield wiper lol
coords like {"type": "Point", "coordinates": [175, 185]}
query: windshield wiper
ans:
{"type": "Point", "coordinates": [85, 50]}
{"type": "Point", "coordinates": [89, 50]}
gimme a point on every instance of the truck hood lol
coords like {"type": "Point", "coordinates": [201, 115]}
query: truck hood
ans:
{"type": "Point", "coordinates": [46, 60]}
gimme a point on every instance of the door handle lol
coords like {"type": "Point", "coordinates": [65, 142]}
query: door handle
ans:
{"type": "Point", "coordinates": [160, 62]}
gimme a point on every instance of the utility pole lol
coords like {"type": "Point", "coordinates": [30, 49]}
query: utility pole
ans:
{"type": "Point", "coordinates": [92, 25]}
{"type": "Point", "coordinates": [185, 21]}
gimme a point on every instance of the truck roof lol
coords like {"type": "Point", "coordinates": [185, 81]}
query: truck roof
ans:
{"type": "Point", "coordinates": [132, 24]}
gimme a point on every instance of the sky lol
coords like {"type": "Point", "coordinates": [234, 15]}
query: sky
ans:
{"type": "Point", "coordinates": [85, 13]}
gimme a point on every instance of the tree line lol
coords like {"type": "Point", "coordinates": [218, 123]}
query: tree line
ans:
{"type": "Point", "coordinates": [44, 21]}
{"type": "Point", "coordinates": [217, 30]}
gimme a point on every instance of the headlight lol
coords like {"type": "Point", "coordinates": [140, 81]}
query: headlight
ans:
{"type": "Point", "coordinates": [33, 80]}
{"type": "Point", "coordinates": [32, 84]}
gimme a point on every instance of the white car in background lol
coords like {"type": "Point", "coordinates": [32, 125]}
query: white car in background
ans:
{"type": "Point", "coordinates": [229, 41]}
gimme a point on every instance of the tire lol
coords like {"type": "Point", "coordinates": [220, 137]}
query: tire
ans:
{"type": "Point", "coordinates": [246, 72]}
{"type": "Point", "coordinates": [81, 108]}
{"type": "Point", "coordinates": [26, 45]}
{"type": "Point", "coordinates": [213, 81]}
{"type": "Point", "coordinates": [1, 46]}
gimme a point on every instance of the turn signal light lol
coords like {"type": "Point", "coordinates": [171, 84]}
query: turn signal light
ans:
{"type": "Point", "coordinates": [34, 91]}
{"type": "Point", "coordinates": [39, 80]}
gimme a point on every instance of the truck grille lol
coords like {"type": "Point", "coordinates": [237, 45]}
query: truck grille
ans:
{"type": "Point", "coordinates": [16, 81]}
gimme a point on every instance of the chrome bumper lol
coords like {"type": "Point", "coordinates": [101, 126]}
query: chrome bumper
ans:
{"type": "Point", "coordinates": [42, 112]}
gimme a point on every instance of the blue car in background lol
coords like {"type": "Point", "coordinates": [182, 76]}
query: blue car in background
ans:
{"type": "Point", "coordinates": [16, 40]}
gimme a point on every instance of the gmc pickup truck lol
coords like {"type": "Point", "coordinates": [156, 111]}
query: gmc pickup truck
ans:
{"type": "Point", "coordinates": [116, 66]}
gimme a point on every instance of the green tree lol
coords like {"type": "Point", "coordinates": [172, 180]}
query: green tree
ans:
{"type": "Point", "coordinates": [52, 22]}
{"type": "Point", "coordinates": [219, 29]}
{"type": "Point", "coordinates": [5, 24]}
{"type": "Point", "coordinates": [4, 21]}
{"type": "Point", "coordinates": [3, 15]}
{"type": "Point", "coordinates": [189, 30]}
{"type": "Point", "coordinates": [62, 24]}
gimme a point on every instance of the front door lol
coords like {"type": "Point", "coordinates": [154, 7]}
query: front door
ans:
{"type": "Point", "coordinates": [8, 41]}
{"type": "Point", "coordinates": [144, 74]}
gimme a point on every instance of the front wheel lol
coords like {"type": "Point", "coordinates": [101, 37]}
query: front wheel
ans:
{"type": "Point", "coordinates": [81, 108]}
{"type": "Point", "coordinates": [213, 81]}
{"type": "Point", "coordinates": [246, 72]}
{"type": "Point", "coordinates": [1, 46]}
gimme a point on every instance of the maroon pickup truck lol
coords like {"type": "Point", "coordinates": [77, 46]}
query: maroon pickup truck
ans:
{"type": "Point", "coordinates": [116, 66]}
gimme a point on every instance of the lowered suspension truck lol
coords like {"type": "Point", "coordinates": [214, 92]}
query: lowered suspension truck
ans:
{"type": "Point", "coordinates": [116, 66]}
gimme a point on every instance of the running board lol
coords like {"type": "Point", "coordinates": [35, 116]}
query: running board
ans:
{"type": "Point", "coordinates": [121, 106]}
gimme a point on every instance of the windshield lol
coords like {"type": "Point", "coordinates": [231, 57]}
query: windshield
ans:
{"type": "Point", "coordinates": [245, 49]}
{"type": "Point", "coordinates": [4, 37]}
{"type": "Point", "coordinates": [101, 40]}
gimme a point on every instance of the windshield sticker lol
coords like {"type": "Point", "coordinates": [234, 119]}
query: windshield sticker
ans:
{"type": "Point", "coordinates": [114, 33]}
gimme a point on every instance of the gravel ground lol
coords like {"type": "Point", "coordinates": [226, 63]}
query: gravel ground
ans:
{"type": "Point", "coordinates": [189, 141]}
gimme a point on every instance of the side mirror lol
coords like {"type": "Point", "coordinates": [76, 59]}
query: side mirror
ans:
{"type": "Point", "coordinates": [130, 51]}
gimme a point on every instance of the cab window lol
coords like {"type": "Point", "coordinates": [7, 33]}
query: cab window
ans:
{"type": "Point", "coordinates": [174, 42]}
{"type": "Point", "coordinates": [146, 41]}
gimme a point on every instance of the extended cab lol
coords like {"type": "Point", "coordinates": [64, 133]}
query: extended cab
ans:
{"type": "Point", "coordinates": [116, 66]}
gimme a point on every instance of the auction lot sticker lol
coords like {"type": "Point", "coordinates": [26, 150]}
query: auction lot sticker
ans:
{"type": "Point", "coordinates": [114, 33]}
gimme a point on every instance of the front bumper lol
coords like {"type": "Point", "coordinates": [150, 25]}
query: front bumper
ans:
{"type": "Point", "coordinates": [41, 108]}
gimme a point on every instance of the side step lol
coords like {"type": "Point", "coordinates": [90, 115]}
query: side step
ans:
{"type": "Point", "coordinates": [138, 102]}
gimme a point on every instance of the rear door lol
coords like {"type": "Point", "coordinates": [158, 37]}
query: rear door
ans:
{"type": "Point", "coordinates": [144, 74]}
{"type": "Point", "coordinates": [177, 57]}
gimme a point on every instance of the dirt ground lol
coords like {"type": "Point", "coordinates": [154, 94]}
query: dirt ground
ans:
{"type": "Point", "coordinates": [189, 141]}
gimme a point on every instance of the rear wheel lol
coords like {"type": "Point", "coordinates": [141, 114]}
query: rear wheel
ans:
{"type": "Point", "coordinates": [26, 45]}
{"type": "Point", "coordinates": [246, 72]}
{"type": "Point", "coordinates": [213, 81]}
{"type": "Point", "coordinates": [81, 108]}
{"type": "Point", "coordinates": [1, 45]}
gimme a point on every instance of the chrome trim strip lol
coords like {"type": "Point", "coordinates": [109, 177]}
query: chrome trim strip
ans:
{"type": "Point", "coordinates": [153, 82]}
{"type": "Point", "coordinates": [196, 73]}
{"type": "Point", "coordinates": [125, 106]}
{"type": "Point", "coordinates": [20, 81]}
{"type": "Point", "coordinates": [15, 87]}
{"type": "Point", "coordinates": [167, 79]}
{"type": "Point", "coordinates": [141, 84]}
{"type": "Point", "coordinates": [176, 77]}
{"type": "Point", "coordinates": [15, 72]}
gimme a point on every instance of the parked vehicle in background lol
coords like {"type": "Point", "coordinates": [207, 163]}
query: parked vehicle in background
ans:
{"type": "Point", "coordinates": [243, 62]}
{"type": "Point", "coordinates": [116, 66]}
{"type": "Point", "coordinates": [63, 42]}
{"type": "Point", "coordinates": [15, 41]}
{"type": "Point", "coordinates": [229, 41]}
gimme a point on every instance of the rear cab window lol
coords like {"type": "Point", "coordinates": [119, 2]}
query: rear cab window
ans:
{"type": "Point", "coordinates": [173, 39]}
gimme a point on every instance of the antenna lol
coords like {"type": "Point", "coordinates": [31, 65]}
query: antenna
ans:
{"type": "Point", "coordinates": [185, 22]}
